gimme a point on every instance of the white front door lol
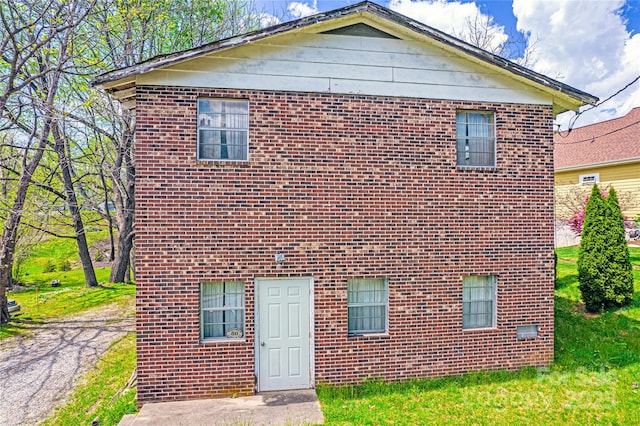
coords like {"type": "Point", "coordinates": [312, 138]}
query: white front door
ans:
{"type": "Point", "coordinates": [283, 334]}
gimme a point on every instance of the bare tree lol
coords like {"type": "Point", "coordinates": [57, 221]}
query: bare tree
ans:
{"type": "Point", "coordinates": [35, 44]}
{"type": "Point", "coordinates": [49, 50]}
{"type": "Point", "coordinates": [481, 31]}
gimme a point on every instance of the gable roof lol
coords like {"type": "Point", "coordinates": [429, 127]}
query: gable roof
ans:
{"type": "Point", "coordinates": [565, 97]}
{"type": "Point", "coordinates": [609, 142]}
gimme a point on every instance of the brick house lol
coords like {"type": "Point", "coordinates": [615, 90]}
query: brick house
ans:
{"type": "Point", "coordinates": [351, 195]}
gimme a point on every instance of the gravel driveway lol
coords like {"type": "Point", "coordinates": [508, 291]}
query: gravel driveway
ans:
{"type": "Point", "coordinates": [38, 372]}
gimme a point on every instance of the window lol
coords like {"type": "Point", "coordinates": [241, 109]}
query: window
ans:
{"type": "Point", "coordinates": [478, 301]}
{"type": "Point", "coordinates": [223, 129]}
{"type": "Point", "coordinates": [527, 331]}
{"type": "Point", "coordinates": [222, 310]}
{"type": "Point", "coordinates": [475, 139]}
{"type": "Point", "coordinates": [367, 306]}
{"type": "Point", "coordinates": [590, 179]}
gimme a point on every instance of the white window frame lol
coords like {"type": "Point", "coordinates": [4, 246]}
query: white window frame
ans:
{"type": "Point", "coordinates": [203, 126]}
{"type": "Point", "coordinates": [464, 142]}
{"type": "Point", "coordinates": [589, 179]}
{"type": "Point", "coordinates": [527, 331]}
{"type": "Point", "coordinates": [363, 305]}
{"type": "Point", "coordinates": [225, 307]}
{"type": "Point", "coordinates": [468, 301]}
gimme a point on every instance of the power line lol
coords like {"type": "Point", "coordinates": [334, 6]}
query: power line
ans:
{"type": "Point", "coordinates": [573, 119]}
{"type": "Point", "coordinates": [593, 138]}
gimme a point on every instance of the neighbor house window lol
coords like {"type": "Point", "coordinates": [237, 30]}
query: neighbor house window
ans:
{"type": "Point", "coordinates": [222, 310]}
{"type": "Point", "coordinates": [475, 138]}
{"type": "Point", "coordinates": [590, 179]}
{"type": "Point", "coordinates": [478, 301]}
{"type": "Point", "coordinates": [223, 129]}
{"type": "Point", "coordinates": [367, 305]}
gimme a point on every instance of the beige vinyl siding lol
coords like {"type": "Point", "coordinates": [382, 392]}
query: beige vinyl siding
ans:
{"type": "Point", "coordinates": [625, 178]}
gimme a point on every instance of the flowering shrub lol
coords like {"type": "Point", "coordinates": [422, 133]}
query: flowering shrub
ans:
{"type": "Point", "coordinates": [577, 219]}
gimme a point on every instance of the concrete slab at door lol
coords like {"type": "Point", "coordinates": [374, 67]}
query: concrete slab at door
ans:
{"type": "Point", "coordinates": [284, 342]}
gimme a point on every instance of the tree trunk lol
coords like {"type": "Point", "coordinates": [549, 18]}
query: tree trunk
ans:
{"type": "Point", "coordinates": [4, 310]}
{"type": "Point", "coordinates": [72, 204]}
{"type": "Point", "coordinates": [120, 266]}
{"type": "Point", "coordinates": [10, 231]}
{"type": "Point", "coordinates": [132, 261]}
{"type": "Point", "coordinates": [112, 241]}
{"type": "Point", "coordinates": [124, 200]}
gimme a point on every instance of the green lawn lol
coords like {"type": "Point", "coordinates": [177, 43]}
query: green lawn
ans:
{"type": "Point", "coordinates": [39, 300]}
{"type": "Point", "coordinates": [597, 362]}
{"type": "Point", "coordinates": [95, 397]}
{"type": "Point", "coordinates": [54, 250]}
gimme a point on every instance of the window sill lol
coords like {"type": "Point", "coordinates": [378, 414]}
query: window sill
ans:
{"type": "Point", "coordinates": [477, 168]}
{"type": "Point", "coordinates": [468, 330]}
{"type": "Point", "coordinates": [367, 335]}
{"type": "Point", "coordinates": [223, 163]}
{"type": "Point", "coordinates": [222, 340]}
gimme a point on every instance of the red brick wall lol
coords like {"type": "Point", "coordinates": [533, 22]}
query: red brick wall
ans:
{"type": "Point", "coordinates": [346, 187]}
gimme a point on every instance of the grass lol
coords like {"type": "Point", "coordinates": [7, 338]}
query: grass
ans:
{"type": "Point", "coordinates": [95, 396]}
{"type": "Point", "coordinates": [54, 250]}
{"type": "Point", "coordinates": [39, 301]}
{"type": "Point", "coordinates": [597, 362]}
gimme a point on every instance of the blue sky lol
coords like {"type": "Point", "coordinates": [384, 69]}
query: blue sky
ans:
{"type": "Point", "coordinates": [593, 45]}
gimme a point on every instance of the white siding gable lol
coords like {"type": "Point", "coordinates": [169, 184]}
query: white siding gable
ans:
{"type": "Point", "coordinates": [328, 63]}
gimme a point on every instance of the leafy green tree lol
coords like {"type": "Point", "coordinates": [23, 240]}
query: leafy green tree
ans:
{"type": "Point", "coordinates": [620, 274]}
{"type": "Point", "coordinates": [603, 264]}
{"type": "Point", "coordinates": [35, 37]}
{"type": "Point", "coordinates": [591, 258]}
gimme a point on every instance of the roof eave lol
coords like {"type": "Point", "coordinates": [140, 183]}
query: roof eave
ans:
{"type": "Point", "coordinates": [157, 62]}
{"type": "Point", "coordinates": [601, 164]}
{"type": "Point", "coordinates": [568, 97]}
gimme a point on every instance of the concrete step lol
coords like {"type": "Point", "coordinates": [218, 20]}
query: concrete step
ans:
{"type": "Point", "coordinates": [127, 420]}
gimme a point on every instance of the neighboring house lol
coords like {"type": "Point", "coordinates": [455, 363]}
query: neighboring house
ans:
{"type": "Point", "coordinates": [351, 195]}
{"type": "Point", "coordinates": [606, 153]}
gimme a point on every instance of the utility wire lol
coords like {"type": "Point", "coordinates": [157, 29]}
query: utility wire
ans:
{"type": "Point", "coordinates": [573, 119]}
{"type": "Point", "coordinates": [593, 138]}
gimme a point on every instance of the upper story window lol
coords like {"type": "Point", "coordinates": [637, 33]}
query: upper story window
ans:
{"type": "Point", "coordinates": [590, 179]}
{"type": "Point", "coordinates": [223, 129]}
{"type": "Point", "coordinates": [475, 139]}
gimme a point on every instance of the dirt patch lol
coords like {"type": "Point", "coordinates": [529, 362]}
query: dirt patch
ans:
{"type": "Point", "coordinates": [579, 308]}
{"type": "Point", "coordinates": [104, 248]}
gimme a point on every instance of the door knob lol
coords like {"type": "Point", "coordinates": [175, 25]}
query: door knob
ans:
{"type": "Point", "coordinates": [262, 344]}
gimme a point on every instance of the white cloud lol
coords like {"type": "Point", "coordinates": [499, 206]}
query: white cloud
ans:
{"type": "Point", "coordinates": [582, 43]}
{"type": "Point", "coordinates": [267, 20]}
{"type": "Point", "coordinates": [586, 45]}
{"type": "Point", "coordinates": [454, 18]}
{"type": "Point", "coordinates": [300, 10]}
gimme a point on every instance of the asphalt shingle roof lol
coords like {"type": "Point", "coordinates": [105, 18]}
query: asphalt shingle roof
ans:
{"type": "Point", "coordinates": [610, 141]}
